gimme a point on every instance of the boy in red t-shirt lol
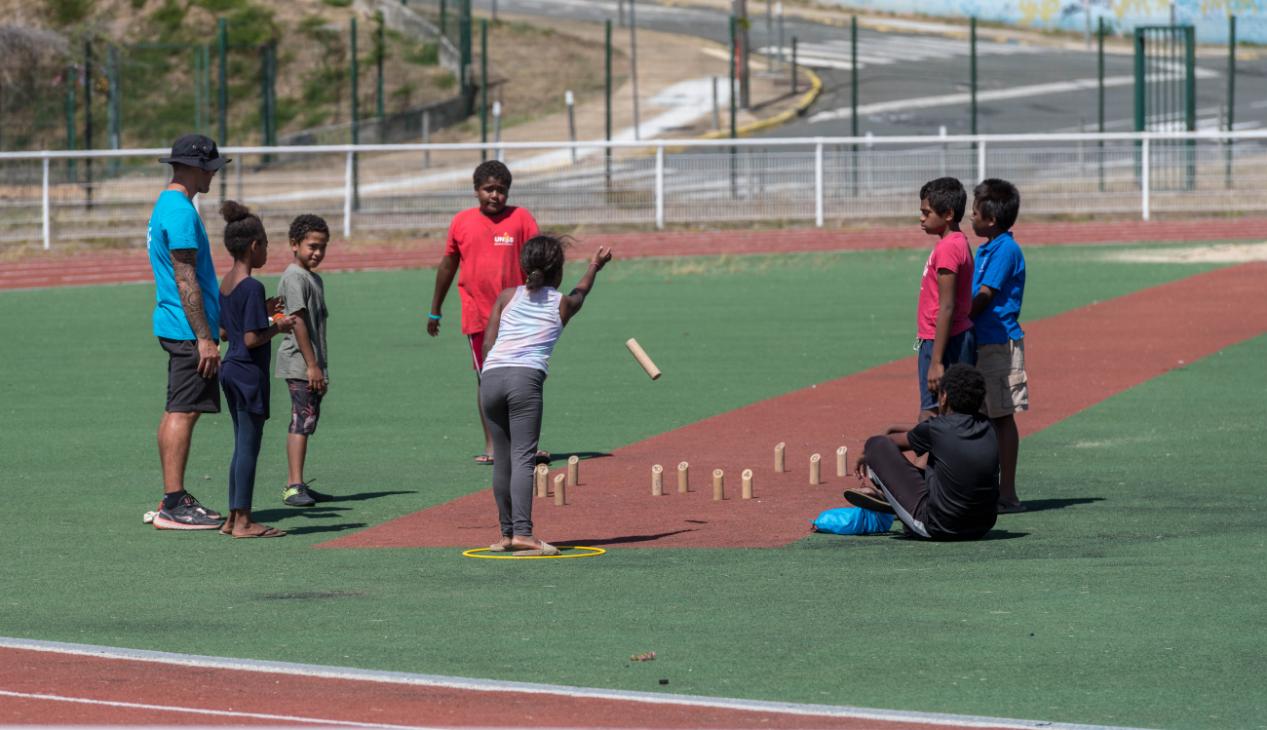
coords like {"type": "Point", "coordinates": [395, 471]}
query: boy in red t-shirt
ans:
{"type": "Point", "coordinates": [485, 242]}
{"type": "Point", "coordinates": [943, 327]}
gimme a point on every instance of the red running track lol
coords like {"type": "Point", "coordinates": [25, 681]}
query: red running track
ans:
{"type": "Point", "coordinates": [51, 688]}
{"type": "Point", "coordinates": [132, 265]}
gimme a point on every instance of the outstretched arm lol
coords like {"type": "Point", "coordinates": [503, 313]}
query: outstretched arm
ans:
{"type": "Point", "coordinates": [185, 271]}
{"type": "Point", "coordinates": [444, 279]}
{"type": "Point", "coordinates": [571, 304]}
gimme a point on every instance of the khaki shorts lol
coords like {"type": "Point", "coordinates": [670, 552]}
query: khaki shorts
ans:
{"type": "Point", "coordinates": [1006, 385]}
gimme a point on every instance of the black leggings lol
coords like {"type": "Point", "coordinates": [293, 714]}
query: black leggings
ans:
{"type": "Point", "coordinates": [248, 431]}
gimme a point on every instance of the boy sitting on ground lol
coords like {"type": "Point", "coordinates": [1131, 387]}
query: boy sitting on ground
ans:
{"type": "Point", "coordinates": [956, 497]}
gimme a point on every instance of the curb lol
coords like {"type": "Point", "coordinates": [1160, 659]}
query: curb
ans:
{"type": "Point", "coordinates": [807, 100]}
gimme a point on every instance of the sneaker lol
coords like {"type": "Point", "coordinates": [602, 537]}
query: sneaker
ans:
{"type": "Point", "coordinates": [186, 515]}
{"type": "Point", "coordinates": [296, 495]}
{"type": "Point", "coordinates": [210, 512]}
{"type": "Point", "coordinates": [318, 496]}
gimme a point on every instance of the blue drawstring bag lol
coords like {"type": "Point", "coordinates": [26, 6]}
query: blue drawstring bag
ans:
{"type": "Point", "coordinates": [852, 521]}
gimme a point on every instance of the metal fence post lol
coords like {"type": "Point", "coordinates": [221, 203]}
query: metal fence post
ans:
{"type": "Point", "coordinates": [570, 101]}
{"type": "Point", "coordinates": [980, 159]}
{"type": "Point", "coordinates": [818, 183]}
{"type": "Point", "coordinates": [1100, 86]}
{"type": "Point", "coordinates": [607, 101]}
{"type": "Point", "coordinates": [1231, 98]}
{"type": "Point", "coordinates": [47, 214]}
{"type": "Point", "coordinates": [1145, 179]}
{"type": "Point", "coordinates": [483, 88]}
{"type": "Point", "coordinates": [659, 186]}
{"type": "Point", "coordinates": [972, 68]}
{"type": "Point", "coordinates": [426, 137]}
{"type": "Point", "coordinates": [347, 196]}
{"type": "Point", "coordinates": [356, 115]}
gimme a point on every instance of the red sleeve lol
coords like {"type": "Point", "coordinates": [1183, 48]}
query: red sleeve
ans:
{"type": "Point", "coordinates": [944, 257]}
{"type": "Point", "coordinates": [451, 241]}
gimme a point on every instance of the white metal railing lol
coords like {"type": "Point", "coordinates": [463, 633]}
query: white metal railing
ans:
{"type": "Point", "coordinates": [661, 181]}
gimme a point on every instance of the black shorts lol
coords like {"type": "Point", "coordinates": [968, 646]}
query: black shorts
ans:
{"type": "Point", "coordinates": [187, 391]}
{"type": "Point", "coordinates": [305, 407]}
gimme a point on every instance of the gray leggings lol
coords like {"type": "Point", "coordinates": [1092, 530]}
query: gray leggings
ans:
{"type": "Point", "coordinates": [511, 399]}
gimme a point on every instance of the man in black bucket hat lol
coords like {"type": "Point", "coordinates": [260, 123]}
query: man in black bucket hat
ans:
{"type": "Point", "coordinates": [186, 323]}
{"type": "Point", "coordinates": [195, 150]}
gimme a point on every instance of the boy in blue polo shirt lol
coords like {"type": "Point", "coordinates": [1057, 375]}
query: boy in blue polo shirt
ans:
{"type": "Point", "coordinates": [998, 285]}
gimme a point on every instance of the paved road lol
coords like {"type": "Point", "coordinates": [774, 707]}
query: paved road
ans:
{"type": "Point", "coordinates": [915, 83]}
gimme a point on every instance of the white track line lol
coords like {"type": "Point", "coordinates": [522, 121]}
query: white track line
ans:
{"type": "Point", "coordinates": [493, 685]}
{"type": "Point", "coordinates": [203, 711]}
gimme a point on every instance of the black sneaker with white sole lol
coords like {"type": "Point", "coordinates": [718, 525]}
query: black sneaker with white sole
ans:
{"type": "Point", "coordinates": [186, 515]}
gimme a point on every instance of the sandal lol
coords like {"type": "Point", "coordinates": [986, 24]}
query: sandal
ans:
{"type": "Point", "coordinates": [866, 501]}
{"type": "Point", "coordinates": [484, 459]}
{"type": "Point", "coordinates": [266, 532]}
{"type": "Point", "coordinates": [227, 527]}
{"type": "Point", "coordinates": [497, 547]}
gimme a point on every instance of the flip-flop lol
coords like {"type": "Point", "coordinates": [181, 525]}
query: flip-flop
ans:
{"type": "Point", "coordinates": [497, 547]}
{"type": "Point", "coordinates": [484, 459]}
{"type": "Point", "coordinates": [544, 549]}
{"type": "Point", "coordinates": [866, 501]}
{"type": "Point", "coordinates": [227, 527]}
{"type": "Point", "coordinates": [267, 532]}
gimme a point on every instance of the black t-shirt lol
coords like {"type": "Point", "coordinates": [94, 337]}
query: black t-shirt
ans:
{"type": "Point", "coordinates": [962, 474]}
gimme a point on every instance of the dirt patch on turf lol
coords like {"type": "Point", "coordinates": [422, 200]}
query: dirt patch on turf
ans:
{"type": "Point", "coordinates": [1075, 360]}
{"type": "Point", "coordinates": [1220, 253]}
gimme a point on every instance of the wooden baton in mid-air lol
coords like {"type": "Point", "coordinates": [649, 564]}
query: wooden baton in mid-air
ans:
{"type": "Point", "coordinates": [643, 359]}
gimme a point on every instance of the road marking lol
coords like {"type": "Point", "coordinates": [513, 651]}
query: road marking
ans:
{"type": "Point", "coordinates": [494, 685]}
{"type": "Point", "coordinates": [1015, 92]}
{"type": "Point", "coordinates": [203, 711]}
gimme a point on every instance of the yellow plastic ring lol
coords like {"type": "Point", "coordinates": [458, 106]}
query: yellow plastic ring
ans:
{"type": "Point", "coordinates": [488, 554]}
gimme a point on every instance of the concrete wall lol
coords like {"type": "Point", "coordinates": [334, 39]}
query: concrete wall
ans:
{"type": "Point", "coordinates": [1209, 16]}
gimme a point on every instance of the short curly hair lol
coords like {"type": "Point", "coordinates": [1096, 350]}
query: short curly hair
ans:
{"type": "Point", "coordinates": [964, 387]}
{"type": "Point", "coordinates": [305, 224]}
{"type": "Point", "coordinates": [492, 170]}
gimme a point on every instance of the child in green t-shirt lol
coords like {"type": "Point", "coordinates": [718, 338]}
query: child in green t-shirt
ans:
{"type": "Point", "coordinates": [301, 358]}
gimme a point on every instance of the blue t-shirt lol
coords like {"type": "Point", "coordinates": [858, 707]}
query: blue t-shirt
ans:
{"type": "Point", "coordinates": [175, 224]}
{"type": "Point", "coordinates": [1000, 266]}
{"type": "Point", "coordinates": [244, 370]}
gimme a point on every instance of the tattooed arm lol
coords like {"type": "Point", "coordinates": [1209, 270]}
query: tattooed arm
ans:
{"type": "Point", "coordinates": [185, 269]}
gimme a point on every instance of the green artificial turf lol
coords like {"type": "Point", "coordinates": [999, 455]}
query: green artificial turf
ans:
{"type": "Point", "coordinates": [1131, 596]}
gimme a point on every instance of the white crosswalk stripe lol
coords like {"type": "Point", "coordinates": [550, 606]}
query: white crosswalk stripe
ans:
{"type": "Point", "coordinates": [881, 51]}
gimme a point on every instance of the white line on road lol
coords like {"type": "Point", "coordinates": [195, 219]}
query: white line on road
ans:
{"type": "Point", "coordinates": [1015, 92]}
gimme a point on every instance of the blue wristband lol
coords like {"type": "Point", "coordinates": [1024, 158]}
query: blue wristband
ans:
{"type": "Point", "coordinates": [434, 316]}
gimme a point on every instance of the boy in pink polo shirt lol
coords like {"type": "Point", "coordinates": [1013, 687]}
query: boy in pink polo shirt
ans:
{"type": "Point", "coordinates": [943, 327]}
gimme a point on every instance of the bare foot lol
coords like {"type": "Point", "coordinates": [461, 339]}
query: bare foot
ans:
{"type": "Point", "coordinates": [227, 527]}
{"type": "Point", "coordinates": [502, 545]}
{"type": "Point", "coordinates": [243, 526]}
{"type": "Point", "coordinates": [1010, 509]}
